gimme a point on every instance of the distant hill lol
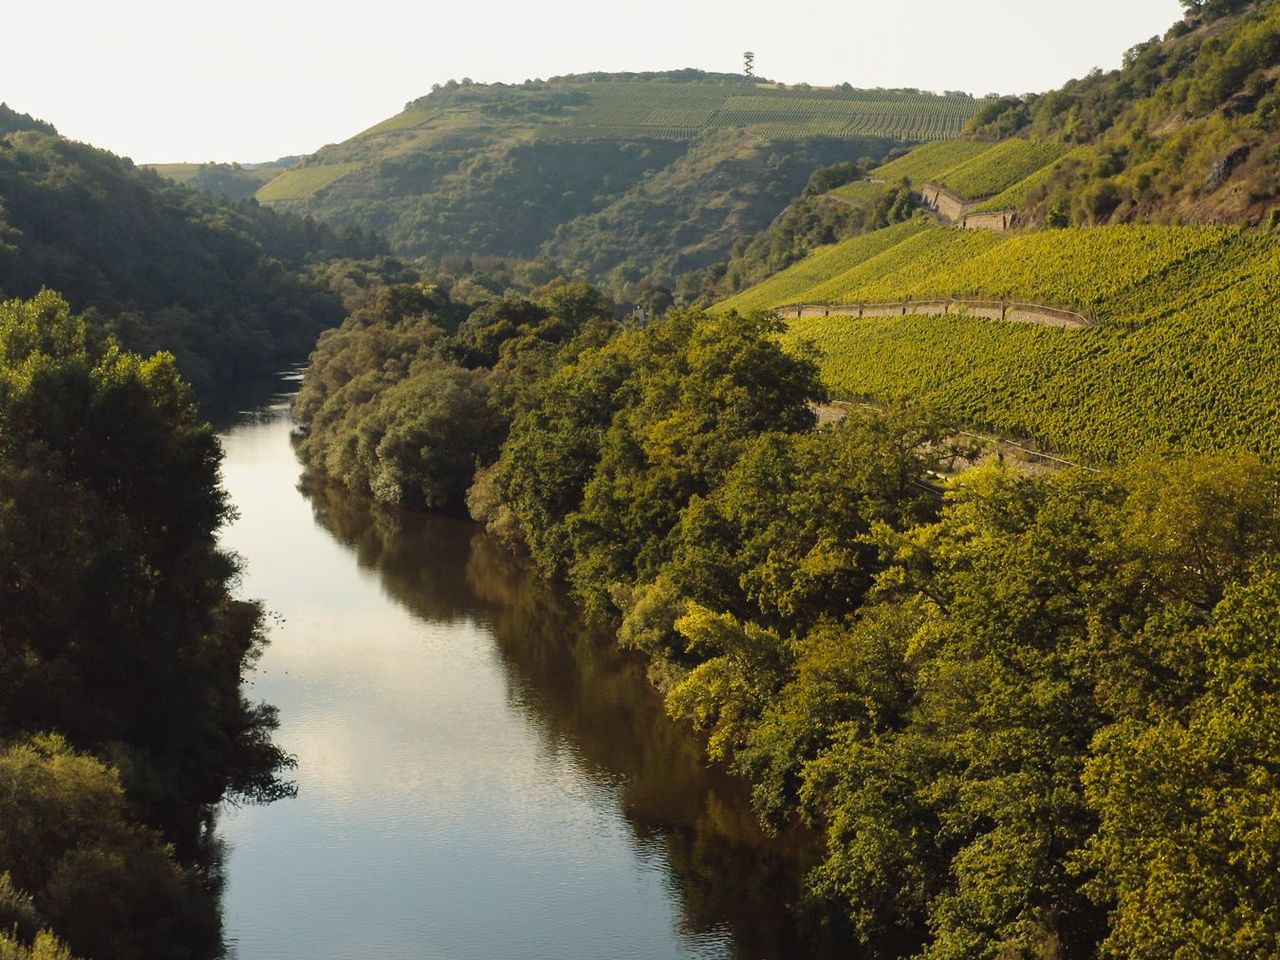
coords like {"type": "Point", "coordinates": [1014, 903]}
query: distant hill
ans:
{"type": "Point", "coordinates": [231, 181]}
{"type": "Point", "coordinates": [620, 176]}
{"type": "Point", "coordinates": [223, 286]}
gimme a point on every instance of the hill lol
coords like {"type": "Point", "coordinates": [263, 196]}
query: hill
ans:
{"type": "Point", "coordinates": [221, 285]}
{"type": "Point", "coordinates": [645, 175]}
{"type": "Point", "coordinates": [231, 181]}
{"type": "Point", "coordinates": [1174, 284]}
{"type": "Point", "coordinates": [1188, 131]}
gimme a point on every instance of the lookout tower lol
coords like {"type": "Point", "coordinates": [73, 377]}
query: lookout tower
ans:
{"type": "Point", "coordinates": [749, 64]}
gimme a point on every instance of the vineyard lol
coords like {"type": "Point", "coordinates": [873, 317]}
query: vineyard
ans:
{"type": "Point", "coordinates": [1003, 166]}
{"type": "Point", "coordinates": [1019, 195]}
{"type": "Point", "coordinates": [930, 161]}
{"type": "Point", "coordinates": [1188, 357]}
{"type": "Point", "coordinates": [859, 191]}
{"type": "Point", "coordinates": [302, 182]}
{"type": "Point", "coordinates": [634, 109]}
{"type": "Point", "coordinates": [794, 284]}
{"type": "Point", "coordinates": [1090, 269]}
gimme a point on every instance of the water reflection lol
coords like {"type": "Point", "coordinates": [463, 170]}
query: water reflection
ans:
{"type": "Point", "coordinates": [480, 775]}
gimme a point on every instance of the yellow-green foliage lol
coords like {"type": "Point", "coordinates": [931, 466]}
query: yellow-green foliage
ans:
{"type": "Point", "coordinates": [860, 191]}
{"type": "Point", "coordinates": [1087, 268]}
{"type": "Point", "coordinates": [303, 182]}
{"type": "Point", "coordinates": [794, 284]}
{"type": "Point", "coordinates": [1017, 196]}
{"type": "Point", "coordinates": [928, 162]}
{"type": "Point", "coordinates": [1190, 361]}
{"type": "Point", "coordinates": [1001, 167]}
{"type": "Point", "coordinates": [1081, 268]}
{"type": "Point", "coordinates": [886, 276]}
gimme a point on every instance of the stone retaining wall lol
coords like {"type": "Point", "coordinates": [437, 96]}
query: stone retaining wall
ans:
{"type": "Point", "coordinates": [1005, 311]}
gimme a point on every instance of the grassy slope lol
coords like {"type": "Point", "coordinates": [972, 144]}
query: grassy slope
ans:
{"type": "Point", "coordinates": [303, 182]}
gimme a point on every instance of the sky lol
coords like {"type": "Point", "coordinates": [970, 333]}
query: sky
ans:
{"type": "Point", "coordinates": [254, 80]}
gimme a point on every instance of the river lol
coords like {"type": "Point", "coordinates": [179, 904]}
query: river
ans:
{"type": "Point", "coordinates": [479, 776]}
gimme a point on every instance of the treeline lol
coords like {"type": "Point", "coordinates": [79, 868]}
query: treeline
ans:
{"type": "Point", "coordinates": [225, 287]}
{"type": "Point", "coordinates": [122, 717]}
{"type": "Point", "coordinates": [1036, 718]}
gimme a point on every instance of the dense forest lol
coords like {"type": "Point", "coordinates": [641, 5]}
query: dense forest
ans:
{"type": "Point", "coordinates": [227, 288]}
{"type": "Point", "coordinates": [122, 651]}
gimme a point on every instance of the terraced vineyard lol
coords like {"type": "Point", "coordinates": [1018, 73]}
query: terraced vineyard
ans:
{"type": "Point", "coordinates": [1017, 196]}
{"type": "Point", "coordinates": [630, 109]}
{"type": "Point", "coordinates": [1086, 269]}
{"type": "Point", "coordinates": [859, 191]}
{"type": "Point", "coordinates": [796, 283]}
{"type": "Point", "coordinates": [1001, 167]}
{"type": "Point", "coordinates": [930, 161]}
{"type": "Point", "coordinates": [1186, 356]}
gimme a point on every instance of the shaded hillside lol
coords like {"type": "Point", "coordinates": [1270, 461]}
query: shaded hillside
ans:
{"type": "Point", "coordinates": [220, 285]}
{"type": "Point", "coordinates": [650, 173]}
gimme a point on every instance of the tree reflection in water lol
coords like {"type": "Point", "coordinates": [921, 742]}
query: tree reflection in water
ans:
{"type": "Point", "coordinates": [586, 697]}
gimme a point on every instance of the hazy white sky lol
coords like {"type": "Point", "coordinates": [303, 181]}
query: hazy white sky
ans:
{"type": "Point", "coordinates": [253, 80]}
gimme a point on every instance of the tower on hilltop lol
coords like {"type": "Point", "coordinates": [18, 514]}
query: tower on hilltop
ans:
{"type": "Point", "coordinates": [749, 63]}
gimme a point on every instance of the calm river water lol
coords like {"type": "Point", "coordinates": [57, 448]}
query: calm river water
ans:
{"type": "Point", "coordinates": [479, 776]}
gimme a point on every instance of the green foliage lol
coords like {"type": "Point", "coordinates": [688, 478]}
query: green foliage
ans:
{"type": "Point", "coordinates": [110, 888]}
{"type": "Point", "coordinates": [231, 181]}
{"type": "Point", "coordinates": [968, 740]}
{"type": "Point", "coordinates": [1186, 848]}
{"type": "Point", "coordinates": [118, 631]}
{"type": "Point", "coordinates": [414, 392]}
{"type": "Point", "coordinates": [218, 285]}
{"type": "Point", "coordinates": [690, 213]}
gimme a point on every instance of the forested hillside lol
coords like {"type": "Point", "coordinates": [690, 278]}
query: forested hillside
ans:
{"type": "Point", "coordinates": [222, 286]}
{"type": "Point", "coordinates": [624, 178]}
{"type": "Point", "coordinates": [1188, 131]}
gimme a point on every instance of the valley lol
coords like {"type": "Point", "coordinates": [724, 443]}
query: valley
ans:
{"type": "Point", "coordinates": [655, 514]}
